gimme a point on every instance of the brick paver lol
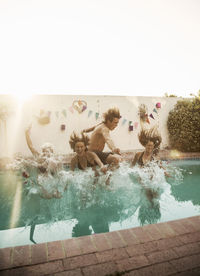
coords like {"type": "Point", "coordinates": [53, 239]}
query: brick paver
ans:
{"type": "Point", "coordinates": [171, 248]}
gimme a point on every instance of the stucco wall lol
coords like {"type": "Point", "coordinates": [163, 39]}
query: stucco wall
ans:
{"type": "Point", "coordinates": [12, 138]}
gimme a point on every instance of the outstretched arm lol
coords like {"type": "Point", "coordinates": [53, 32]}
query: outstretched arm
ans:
{"type": "Point", "coordinates": [73, 163]}
{"type": "Point", "coordinates": [29, 142]}
{"type": "Point", "coordinates": [136, 157]}
{"type": "Point", "coordinates": [109, 141]}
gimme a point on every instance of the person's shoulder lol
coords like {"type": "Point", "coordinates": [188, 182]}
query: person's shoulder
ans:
{"type": "Point", "coordinates": [138, 154]}
{"type": "Point", "coordinates": [90, 154]}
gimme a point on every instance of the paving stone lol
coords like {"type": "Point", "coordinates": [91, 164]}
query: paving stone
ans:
{"type": "Point", "coordinates": [190, 225]}
{"type": "Point", "coordinates": [162, 269]}
{"type": "Point", "coordinates": [166, 230]}
{"type": "Point", "coordinates": [140, 249]}
{"type": "Point", "coordinates": [36, 270]}
{"type": "Point", "coordinates": [5, 257]}
{"type": "Point", "coordinates": [114, 239]}
{"type": "Point", "coordinates": [178, 227]}
{"type": "Point", "coordinates": [100, 269]}
{"type": "Point", "coordinates": [21, 255]}
{"type": "Point", "coordinates": [128, 237]}
{"type": "Point", "coordinates": [55, 251]}
{"type": "Point", "coordinates": [186, 263]}
{"type": "Point", "coordinates": [79, 261]}
{"type": "Point", "coordinates": [141, 234]}
{"type": "Point", "coordinates": [71, 247]}
{"type": "Point", "coordinates": [76, 272]}
{"type": "Point", "coordinates": [38, 253]}
{"type": "Point", "coordinates": [100, 242]}
{"type": "Point", "coordinates": [169, 243]}
{"type": "Point", "coordinates": [132, 263]}
{"type": "Point", "coordinates": [111, 255]}
{"type": "Point", "coordinates": [161, 256]}
{"type": "Point", "coordinates": [192, 272]}
{"type": "Point", "coordinates": [187, 249]}
{"type": "Point", "coordinates": [86, 245]}
{"type": "Point", "coordinates": [154, 232]}
{"type": "Point", "coordinates": [191, 237]}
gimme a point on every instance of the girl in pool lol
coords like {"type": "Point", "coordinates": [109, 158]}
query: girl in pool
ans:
{"type": "Point", "coordinates": [151, 140]}
{"type": "Point", "coordinates": [83, 157]}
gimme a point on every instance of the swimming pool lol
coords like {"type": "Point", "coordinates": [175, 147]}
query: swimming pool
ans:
{"type": "Point", "coordinates": [89, 206]}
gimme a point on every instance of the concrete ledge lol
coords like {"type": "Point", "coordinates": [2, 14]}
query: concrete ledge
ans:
{"type": "Point", "coordinates": [169, 248]}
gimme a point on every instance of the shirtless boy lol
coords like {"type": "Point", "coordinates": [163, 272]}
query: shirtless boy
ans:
{"type": "Point", "coordinates": [101, 136]}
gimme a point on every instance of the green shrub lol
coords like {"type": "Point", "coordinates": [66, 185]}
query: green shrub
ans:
{"type": "Point", "coordinates": [184, 125]}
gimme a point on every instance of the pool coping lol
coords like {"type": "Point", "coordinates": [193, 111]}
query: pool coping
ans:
{"type": "Point", "coordinates": [166, 248]}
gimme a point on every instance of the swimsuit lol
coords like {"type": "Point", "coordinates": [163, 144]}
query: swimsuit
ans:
{"type": "Point", "coordinates": [88, 165]}
{"type": "Point", "coordinates": [140, 161]}
{"type": "Point", "coordinates": [102, 155]}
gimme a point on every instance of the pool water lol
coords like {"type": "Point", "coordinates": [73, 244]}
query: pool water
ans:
{"type": "Point", "coordinates": [129, 197]}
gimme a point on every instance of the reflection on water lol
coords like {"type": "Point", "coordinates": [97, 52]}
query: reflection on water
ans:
{"type": "Point", "coordinates": [133, 197]}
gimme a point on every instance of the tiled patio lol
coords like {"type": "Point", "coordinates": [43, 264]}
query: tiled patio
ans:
{"type": "Point", "coordinates": [170, 248]}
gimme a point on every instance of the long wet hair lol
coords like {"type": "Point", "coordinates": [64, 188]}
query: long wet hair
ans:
{"type": "Point", "coordinates": [74, 138]}
{"type": "Point", "coordinates": [151, 135]}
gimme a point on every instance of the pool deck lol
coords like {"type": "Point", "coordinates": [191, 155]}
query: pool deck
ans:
{"type": "Point", "coordinates": [169, 248]}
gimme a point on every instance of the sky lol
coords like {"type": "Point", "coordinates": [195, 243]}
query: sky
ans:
{"type": "Point", "coordinates": [100, 47]}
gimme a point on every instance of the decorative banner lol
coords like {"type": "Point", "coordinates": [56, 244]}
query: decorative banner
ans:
{"type": "Point", "coordinates": [71, 109]}
{"type": "Point", "coordinates": [44, 117]}
{"type": "Point", "coordinates": [151, 115]}
{"type": "Point", "coordinates": [97, 115]}
{"type": "Point", "coordinates": [136, 124]}
{"type": "Point", "coordinates": [57, 114]}
{"type": "Point", "coordinates": [89, 113]}
{"type": "Point", "coordinates": [79, 105]}
{"type": "Point", "coordinates": [64, 113]}
{"type": "Point", "coordinates": [130, 128]}
{"type": "Point", "coordinates": [158, 105]}
{"type": "Point", "coordinates": [130, 123]}
{"type": "Point", "coordinates": [62, 127]}
{"type": "Point", "coordinates": [124, 121]}
{"type": "Point", "coordinates": [154, 110]}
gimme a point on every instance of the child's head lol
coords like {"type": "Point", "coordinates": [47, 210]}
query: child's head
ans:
{"type": "Point", "coordinates": [47, 149]}
{"type": "Point", "coordinates": [79, 144]}
{"type": "Point", "coordinates": [150, 139]}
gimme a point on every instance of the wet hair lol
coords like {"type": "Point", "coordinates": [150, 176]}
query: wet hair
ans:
{"type": "Point", "coordinates": [111, 114]}
{"type": "Point", "coordinates": [150, 135]}
{"type": "Point", "coordinates": [74, 138]}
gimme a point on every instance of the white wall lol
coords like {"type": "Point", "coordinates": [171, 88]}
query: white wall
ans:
{"type": "Point", "coordinates": [12, 138]}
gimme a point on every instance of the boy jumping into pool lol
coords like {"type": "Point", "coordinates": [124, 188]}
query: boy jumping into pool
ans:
{"type": "Point", "coordinates": [101, 136]}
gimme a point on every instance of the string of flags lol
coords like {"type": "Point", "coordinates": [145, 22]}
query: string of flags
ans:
{"type": "Point", "coordinates": [81, 106]}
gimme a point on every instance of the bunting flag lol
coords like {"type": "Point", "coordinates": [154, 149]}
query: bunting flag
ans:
{"type": "Point", "coordinates": [151, 115]}
{"type": "Point", "coordinates": [154, 110]}
{"type": "Point", "coordinates": [89, 113]}
{"type": "Point", "coordinates": [64, 113]}
{"type": "Point", "coordinates": [97, 115]}
{"type": "Point", "coordinates": [130, 123]}
{"type": "Point", "coordinates": [158, 105]}
{"type": "Point", "coordinates": [136, 125]}
{"type": "Point", "coordinates": [124, 121]}
{"type": "Point", "coordinates": [57, 114]}
{"type": "Point", "coordinates": [130, 128]}
{"type": "Point", "coordinates": [84, 108]}
{"type": "Point", "coordinates": [71, 109]}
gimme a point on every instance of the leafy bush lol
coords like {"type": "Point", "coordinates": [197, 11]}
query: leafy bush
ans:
{"type": "Point", "coordinates": [184, 125]}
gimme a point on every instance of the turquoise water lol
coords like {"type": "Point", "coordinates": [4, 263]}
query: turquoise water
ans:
{"type": "Point", "coordinates": [133, 197]}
